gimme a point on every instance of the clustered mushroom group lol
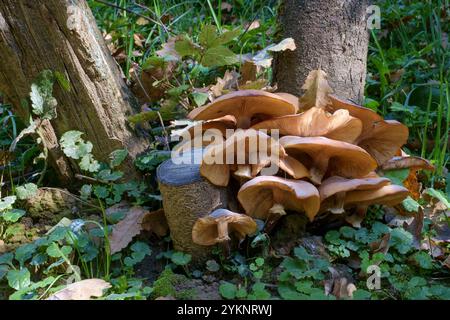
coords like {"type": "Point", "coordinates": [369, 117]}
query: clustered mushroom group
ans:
{"type": "Point", "coordinates": [329, 156]}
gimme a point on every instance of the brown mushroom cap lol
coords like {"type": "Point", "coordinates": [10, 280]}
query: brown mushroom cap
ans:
{"type": "Point", "coordinates": [326, 155]}
{"type": "Point", "coordinates": [251, 140]}
{"type": "Point", "coordinates": [316, 122]}
{"type": "Point", "coordinates": [388, 195]}
{"type": "Point", "coordinates": [245, 105]}
{"type": "Point", "coordinates": [216, 227]}
{"type": "Point", "coordinates": [407, 162]}
{"type": "Point", "coordinates": [260, 194]}
{"type": "Point", "coordinates": [333, 190]}
{"type": "Point", "coordinates": [381, 138]}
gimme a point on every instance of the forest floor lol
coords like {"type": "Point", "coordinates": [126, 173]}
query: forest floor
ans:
{"type": "Point", "coordinates": [51, 237]}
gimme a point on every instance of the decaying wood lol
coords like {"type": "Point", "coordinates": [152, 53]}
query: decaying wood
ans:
{"type": "Point", "coordinates": [186, 197]}
{"type": "Point", "coordinates": [330, 34]}
{"type": "Point", "coordinates": [61, 35]}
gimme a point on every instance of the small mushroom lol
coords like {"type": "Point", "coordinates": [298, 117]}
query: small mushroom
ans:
{"type": "Point", "coordinates": [381, 138]}
{"type": "Point", "coordinates": [247, 106]}
{"type": "Point", "coordinates": [414, 164]}
{"type": "Point", "coordinates": [389, 195]}
{"type": "Point", "coordinates": [217, 227]}
{"type": "Point", "coordinates": [316, 122]}
{"type": "Point", "coordinates": [243, 149]}
{"type": "Point", "coordinates": [268, 197]}
{"type": "Point", "coordinates": [324, 155]}
{"type": "Point", "coordinates": [334, 189]}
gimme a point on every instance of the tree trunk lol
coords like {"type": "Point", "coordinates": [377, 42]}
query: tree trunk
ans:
{"type": "Point", "coordinates": [62, 35]}
{"type": "Point", "coordinates": [330, 34]}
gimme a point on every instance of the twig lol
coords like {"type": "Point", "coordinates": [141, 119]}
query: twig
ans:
{"type": "Point", "coordinates": [132, 12]}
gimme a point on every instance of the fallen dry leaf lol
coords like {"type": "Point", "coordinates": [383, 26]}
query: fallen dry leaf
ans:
{"type": "Point", "coordinates": [82, 290]}
{"type": "Point", "coordinates": [155, 222]}
{"type": "Point", "coordinates": [124, 231]}
{"type": "Point", "coordinates": [381, 246]}
{"type": "Point", "coordinates": [168, 48]}
{"type": "Point", "coordinates": [447, 262]}
{"type": "Point", "coordinates": [339, 285]}
{"type": "Point", "coordinates": [227, 83]}
{"type": "Point", "coordinates": [248, 72]}
{"type": "Point", "coordinates": [317, 90]}
{"type": "Point", "coordinates": [285, 44]}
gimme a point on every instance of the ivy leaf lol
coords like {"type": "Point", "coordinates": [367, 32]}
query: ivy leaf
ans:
{"type": "Point", "coordinates": [180, 258]}
{"type": "Point", "coordinates": [107, 175]}
{"type": "Point", "coordinates": [13, 215]}
{"type": "Point", "coordinates": [7, 202]}
{"type": "Point", "coordinates": [218, 56]}
{"type": "Point", "coordinates": [117, 157]}
{"type": "Point", "coordinates": [42, 101]}
{"type": "Point", "coordinates": [228, 290]}
{"type": "Point", "coordinates": [6, 258]}
{"type": "Point", "coordinates": [25, 252]}
{"type": "Point", "coordinates": [101, 192]}
{"type": "Point", "coordinates": [397, 176]}
{"type": "Point", "coordinates": [18, 279]}
{"type": "Point", "coordinates": [26, 191]}
{"type": "Point", "coordinates": [55, 252]}
{"type": "Point", "coordinates": [402, 240]}
{"type": "Point", "coordinates": [74, 146]}
{"type": "Point", "coordinates": [212, 266]}
{"type": "Point", "coordinates": [423, 259]}
{"type": "Point", "coordinates": [88, 163]}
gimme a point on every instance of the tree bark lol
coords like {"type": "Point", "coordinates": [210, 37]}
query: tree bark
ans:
{"type": "Point", "coordinates": [330, 34]}
{"type": "Point", "coordinates": [62, 35]}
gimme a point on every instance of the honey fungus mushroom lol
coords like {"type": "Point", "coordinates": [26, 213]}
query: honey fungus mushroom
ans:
{"type": "Point", "coordinates": [247, 152]}
{"type": "Point", "coordinates": [316, 122]}
{"type": "Point", "coordinates": [333, 191]}
{"type": "Point", "coordinates": [380, 138]}
{"type": "Point", "coordinates": [267, 198]}
{"type": "Point", "coordinates": [324, 155]}
{"type": "Point", "coordinates": [217, 227]}
{"type": "Point", "coordinates": [247, 106]}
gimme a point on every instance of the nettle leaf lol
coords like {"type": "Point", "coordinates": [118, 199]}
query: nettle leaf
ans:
{"type": "Point", "coordinates": [13, 215]}
{"type": "Point", "coordinates": [423, 259]}
{"type": "Point", "coordinates": [26, 191]}
{"type": "Point", "coordinates": [218, 56]}
{"type": "Point", "coordinates": [74, 146]}
{"type": "Point", "coordinates": [18, 279]}
{"type": "Point", "coordinates": [402, 240]}
{"type": "Point", "coordinates": [410, 205]}
{"type": "Point", "coordinates": [42, 101]}
{"type": "Point", "coordinates": [101, 191]}
{"type": "Point", "coordinates": [117, 157]}
{"type": "Point", "coordinates": [397, 176]}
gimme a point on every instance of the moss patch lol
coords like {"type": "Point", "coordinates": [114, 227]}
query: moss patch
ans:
{"type": "Point", "coordinates": [171, 284]}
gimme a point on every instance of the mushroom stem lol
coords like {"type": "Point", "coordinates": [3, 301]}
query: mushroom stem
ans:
{"type": "Point", "coordinates": [244, 171]}
{"type": "Point", "coordinates": [319, 169]}
{"type": "Point", "coordinates": [222, 231]}
{"type": "Point", "coordinates": [276, 212]}
{"type": "Point", "coordinates": [338, 203]}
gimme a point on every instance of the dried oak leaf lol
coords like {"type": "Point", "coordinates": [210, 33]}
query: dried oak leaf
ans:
{"type": "Point", "coordinates": [82, 290]}
{"type": "Point", "coordinates": [317, 90]}
{"type": "Point", "coordinates": [124, 231]}
{"type": "Point", "coordinates": [155, 222]}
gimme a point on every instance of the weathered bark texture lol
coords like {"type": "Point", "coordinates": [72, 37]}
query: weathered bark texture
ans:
{"type": "Point", "coordinates": [331, 34]}
{"type": "Point", "coordinates": [62, 35]}
{"type": "Point", "coordinates": [186, 197]}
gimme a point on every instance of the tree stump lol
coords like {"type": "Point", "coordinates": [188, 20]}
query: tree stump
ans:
{"type": "Point", "coordinates": [187, 196]}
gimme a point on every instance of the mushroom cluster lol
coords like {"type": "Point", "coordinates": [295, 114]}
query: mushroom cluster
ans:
{"type": "Point", "coordinates": [326, 160]}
